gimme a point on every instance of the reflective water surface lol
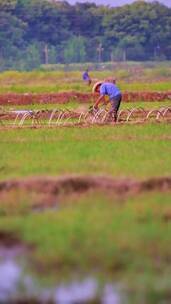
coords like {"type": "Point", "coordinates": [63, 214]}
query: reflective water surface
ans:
{"type": "Point", "coordinates": [16, 283]}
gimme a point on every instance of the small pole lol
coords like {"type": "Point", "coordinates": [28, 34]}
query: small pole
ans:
{"type": "Point", "coordinates": [100, 50]}
{"type": "Point", "coordinates": [46, 54]}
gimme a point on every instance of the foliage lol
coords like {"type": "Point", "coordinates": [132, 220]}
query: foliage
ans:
{"type": "Point", "coordinates": [75, 50]}
{"type": "Point", "coordinates": [73, 33]}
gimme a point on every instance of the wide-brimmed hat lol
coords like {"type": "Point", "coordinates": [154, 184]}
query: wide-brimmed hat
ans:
{"type": "Point", "coordinates": [96, 85]}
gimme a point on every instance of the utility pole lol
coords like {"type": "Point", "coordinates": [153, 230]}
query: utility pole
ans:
{"type": "Point", "coordinates": [111, 56]}
{"type": "Point", "coordinates": [124, 54]}
{"type": "Point", "coordinates": [100, 51]}
{"type": "Point", "coordinates": [46, 54]}
{"type": "Point", "coordinates": [156, 51]}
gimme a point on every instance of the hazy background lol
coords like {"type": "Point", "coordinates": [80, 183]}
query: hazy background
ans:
{"type": "Point", "coordinates": [117, 2]}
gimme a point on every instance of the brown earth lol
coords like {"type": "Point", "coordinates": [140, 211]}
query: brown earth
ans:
{"type": "Point", "coordinates": [65, 97]}
{"type": "Point", "coordinates": [49, 188]}
{"type": "Point", "coordinates": [8, 239]}
{"type": "Point", "coordinates": [52, 98]}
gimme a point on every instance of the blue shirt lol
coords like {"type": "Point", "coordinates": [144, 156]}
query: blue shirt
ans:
{"type": "Point", "coordinates": [109, 89]}
{"type": "Point", "coordinates": [86, 76]}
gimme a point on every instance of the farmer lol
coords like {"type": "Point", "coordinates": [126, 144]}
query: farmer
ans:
{"type": "Point", "coordinates": [86, 77]}
{"type": "Point", "coordinates": [108, 88]}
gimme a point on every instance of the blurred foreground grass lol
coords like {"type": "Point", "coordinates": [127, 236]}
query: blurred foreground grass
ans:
{"type": "Point", "coordinates": [125, 239]}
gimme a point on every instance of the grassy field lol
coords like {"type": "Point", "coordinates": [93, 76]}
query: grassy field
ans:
{"type": "Point", "coordinates": [122, 239]}
{"type": "Point", "coordinates": [130, 79]}
{"type": "Point", "coordinates": [119, 238]}
{"type": "Point", "coordinates": [131, 151]}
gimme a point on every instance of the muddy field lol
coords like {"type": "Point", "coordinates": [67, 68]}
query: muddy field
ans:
{"type": "Point", "coordinates": [60, 98]}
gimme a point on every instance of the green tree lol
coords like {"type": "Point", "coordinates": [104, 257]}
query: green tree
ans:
{"type": "Point", "coordinates": [7, 5]}
{"type": "Point", "coordinates": [72, 33]}
{"type": "Point", "coordinates": [74, 50]}
{"type": "Point", "coordinates": [11, 34]}
{"type": "Point", "coordinates": [140, 21]}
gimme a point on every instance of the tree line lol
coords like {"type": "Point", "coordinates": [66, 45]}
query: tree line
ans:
{"type": "Point", "coordinates": [35, 32]}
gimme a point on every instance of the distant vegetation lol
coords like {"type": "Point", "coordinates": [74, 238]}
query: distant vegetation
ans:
{"type": "Point", "coordinates": [130, 77]}
{"type": "Point", "coordinates": [35, 32]}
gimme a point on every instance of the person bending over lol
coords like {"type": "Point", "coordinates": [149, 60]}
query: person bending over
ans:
{"type": "Point", "coordinates": [108, 88]}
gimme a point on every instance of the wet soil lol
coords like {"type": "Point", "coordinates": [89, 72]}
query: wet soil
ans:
{"type": "Point", "coordinates": [65, 97]}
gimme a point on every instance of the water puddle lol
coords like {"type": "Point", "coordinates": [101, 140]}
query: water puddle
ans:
{"type": "Point", "coordinates": [19, 285]}
{"type": "Point", "coordinates": [16, 285]}
{"type": "Point", "coordinates": [85, 292]}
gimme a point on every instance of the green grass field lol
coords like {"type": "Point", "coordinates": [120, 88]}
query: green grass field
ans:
{"type": "Point", "coordinates": [121, 238]}
{"type": "Point", "coordinates": [128, 151]}
{"type": "Point", "coordinates": [156, 79]}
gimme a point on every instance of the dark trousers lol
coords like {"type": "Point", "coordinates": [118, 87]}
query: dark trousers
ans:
{"type": "Point", "coordinates": [115, 103]}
